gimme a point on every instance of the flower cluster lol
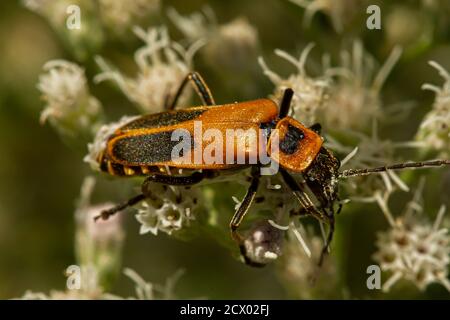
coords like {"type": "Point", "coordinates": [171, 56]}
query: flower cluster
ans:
{"type": "Point", "coordinates": [310, 94]}
{"type": "Point", "coordinates": [434, 131]}
{"type": "Point", "coordinates": [100, 140]}
{"type": "Point", "coordinates": [355, 94]}
{"type": "Point", "coordinates": [162, 67]}
{"type": "Point", "coordinates": [231, 45]}
{"type": "Point", "coordinates": [119, 15]}
{"type": "Point", "coordinates": [167, 209]}
{"type": "Point", "coordinates": [70, 108]}
{"type": "Point", "coordinates": [413, 249]}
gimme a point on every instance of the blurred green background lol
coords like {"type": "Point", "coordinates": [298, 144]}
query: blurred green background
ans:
{"type": "Point", "coordinates": [40, 175]}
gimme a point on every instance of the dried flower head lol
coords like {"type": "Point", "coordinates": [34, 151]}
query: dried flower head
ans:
{"type": "Point", "coordinates": [310, 94]}
{"type": "Point", "coordinates": [162, 67]}
{"type": "Point", "coordinates": [434, 131]}
{"type": "Point", "coordinates": [413, 249]}
{"type": "Point", "coordinates": [100, 140]}
{"type": "Point", "coordinates": [70, 107]}
{"type": "Point", "coordinates": [167, 209]}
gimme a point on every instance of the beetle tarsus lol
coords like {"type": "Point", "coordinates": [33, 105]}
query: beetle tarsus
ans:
{"type": "Point", "coordinates": [105, 214]}
{"type": "Point", "coordinates": [328, 241]}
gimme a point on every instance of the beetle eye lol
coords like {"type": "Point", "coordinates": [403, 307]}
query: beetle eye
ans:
{"type": "Point", "coordinates": [290, 142]}
{"type": "Point", "coordinates": [316, 127]}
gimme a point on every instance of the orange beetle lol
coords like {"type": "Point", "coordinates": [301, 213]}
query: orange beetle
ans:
{"type": "Point", "coordinates": [145, 146]}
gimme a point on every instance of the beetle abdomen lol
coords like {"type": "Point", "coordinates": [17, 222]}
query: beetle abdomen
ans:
{"type": "Point", "coordinates": [117, 169]}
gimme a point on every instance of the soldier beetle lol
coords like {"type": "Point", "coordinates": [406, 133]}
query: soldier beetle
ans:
{"type": "Point", "coordinates": [144, 147]}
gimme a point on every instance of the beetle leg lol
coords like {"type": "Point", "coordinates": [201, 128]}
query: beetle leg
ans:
{"type": "Point", "coordinates": [200, 87]}
{"type": "Point", "coordinates": [300, 193]}
{"type": "Point", "coordinates": [105, 214]}
{"type": "Point", "coordinates": [327, 243]}
{"type": "Point", "coordinates": [196, 177]}
{"type": "Point", "coordinates": [244, 207]}
{"type": "Point", "coordinates": [285, 104]}
{"type": "Point", "coordinates": [310, 208]}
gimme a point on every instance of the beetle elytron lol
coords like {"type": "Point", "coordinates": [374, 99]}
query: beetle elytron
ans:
{"type": "Point", "coordinates": [143, 147]}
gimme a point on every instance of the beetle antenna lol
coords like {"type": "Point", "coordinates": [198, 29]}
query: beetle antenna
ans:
{"type": "Point", "coordinates": [399, 166]}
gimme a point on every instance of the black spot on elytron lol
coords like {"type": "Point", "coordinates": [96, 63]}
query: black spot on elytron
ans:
{"type": "Point", "coordinates": [145, 149]}
{"type": "Point", "coordinates": [163, 119]}
{"type": "Point", "coordinates": [290, 142]}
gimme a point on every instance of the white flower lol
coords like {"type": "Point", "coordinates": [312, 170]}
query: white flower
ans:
{"type": "Point", "coordinates": [168, 209]}
{"type": "Point", "coordinates": [120, 14]}
{"type": "Point", "coordinates": [355, 96]}
{"type": "Point", "coordinates": [310, 93]}
{"type": "Point", "coordinates": [162, 67]}
{"type": "Point", "coordinates": [413, 249]}
{"type": "Point", "coordinates": [434, 130]}
{"type": "Point", "coordinates": [196, 26]}
{"type": "Point", "coordinates": [371, 151]}
{"type": "Point", "coordinates": [231, 45]}
{"type": "Point", "coordinates": [70, 107]}
{"type": "Point", "coordinates": [101, 139]}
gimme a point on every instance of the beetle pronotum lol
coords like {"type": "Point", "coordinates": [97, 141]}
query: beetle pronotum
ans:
{"type": "Point", "coordinates": [144, 147]}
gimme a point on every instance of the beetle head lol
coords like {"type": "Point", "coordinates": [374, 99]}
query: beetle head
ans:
{"type": "Point", "coordinates": [322, 178]}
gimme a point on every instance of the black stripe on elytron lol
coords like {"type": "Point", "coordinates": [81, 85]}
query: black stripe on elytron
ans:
{"type": "Point", "coordinates": [163, 119]}
{"type": "Point", "coordinates": [145, 149]}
